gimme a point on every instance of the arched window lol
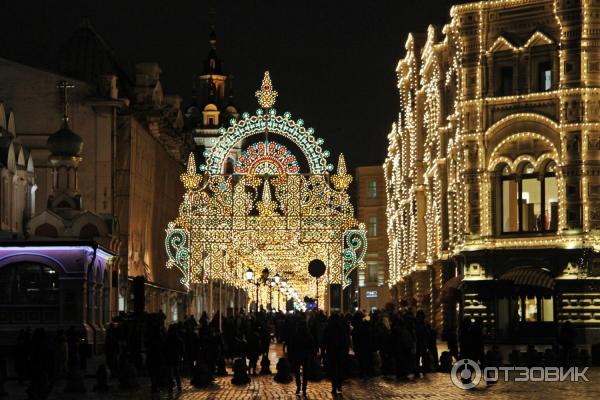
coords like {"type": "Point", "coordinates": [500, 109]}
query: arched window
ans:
{"type": "Point", "coordinates": [89, 231]}
{"type": "Point", "coordinates": [529, 199]}
{"type": "Point", "coordinates": [28, 283]}
{"type": "Point", "coordinates": [46, 230]}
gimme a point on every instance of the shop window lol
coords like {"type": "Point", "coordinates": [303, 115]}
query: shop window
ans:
{"type": "Point", "coordinates": [372, 189]}
{"type": "Point", "coordinates": [535, 309]}
{"type": "Point", "coordinates": [528, 309]}
{"type": "Point", "coordinates": [547, 314]}
{"type": "Point", "coordinates": [529, 200]}
{"type": "Point", "coordinates": [28, 283]}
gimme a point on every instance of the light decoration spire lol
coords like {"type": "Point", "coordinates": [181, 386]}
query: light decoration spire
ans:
{"type": "Point", "coordinates": [191, 179]}
{"type": "Point", "coordinates": [266, 207]}
{"type": "Point", "coordinates": [266, 95]}
{"type": "Point", "coordinates": [341, 180]}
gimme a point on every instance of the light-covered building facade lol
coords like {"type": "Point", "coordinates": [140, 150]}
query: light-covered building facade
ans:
{"type": "Point", "coordinates": [493, 169]}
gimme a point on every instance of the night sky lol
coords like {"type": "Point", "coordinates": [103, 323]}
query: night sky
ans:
{"type": "Point", "coordinates": [332, 62]}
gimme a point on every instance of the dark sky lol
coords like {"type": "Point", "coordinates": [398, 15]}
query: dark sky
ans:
{"type": "Point", "coordinates": [331, 61]}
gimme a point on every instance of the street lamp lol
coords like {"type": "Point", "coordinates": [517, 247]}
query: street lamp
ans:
{"type": "Point", "coordinates": [264, 277]}
{"type": "Point", "coordinates": [271, 287]}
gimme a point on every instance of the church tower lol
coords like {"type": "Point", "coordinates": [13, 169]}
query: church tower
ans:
{"type": "Point", "coordinates": [212, 104]}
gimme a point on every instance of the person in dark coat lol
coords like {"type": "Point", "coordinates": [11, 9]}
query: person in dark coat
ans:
{"type": "Point", "coordinates": [422, 339]}
{"type": "Point", "coordinates": [449, 335]}
{"type": "Point", "coordinates": [112, 350]}
{"type": "Point", "coordinates": [477, 343]}
{"type": "Point", "coordinates": [155, 356]}
{"type": "Point", "coordinates": [336, 339]}
{"type": "Point", "coordinates": [302, 349]}
{"type": "Point", "coordinates": [174, 356]}
{"type": "Point", "coordinates": [464, 338]}
{"type": "Point", "coordinates": [253, 349]}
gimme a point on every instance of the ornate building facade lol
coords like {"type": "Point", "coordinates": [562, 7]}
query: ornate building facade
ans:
{"type": "Point", "coordinates": [493, 169]}
{"type": "Point", "coordinates": [92, 216]}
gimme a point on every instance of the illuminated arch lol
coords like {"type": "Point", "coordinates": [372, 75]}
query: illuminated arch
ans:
{"type": "Point", "coordinates": [272, 123]}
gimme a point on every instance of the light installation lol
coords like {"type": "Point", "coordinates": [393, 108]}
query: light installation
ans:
{"type": "Point", "coordinates": [267, 158]}
{"type": "Point", "coordinates": [267, 214]}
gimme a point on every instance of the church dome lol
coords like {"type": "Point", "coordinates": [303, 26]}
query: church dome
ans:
{"type": "Point", "coordinates": [65, 142]}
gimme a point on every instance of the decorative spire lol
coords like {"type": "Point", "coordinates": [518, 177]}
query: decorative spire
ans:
{"type": "Point", "coordinates": [341, 180]}
{"type": "Point", "coordinates": [64, 143]}
{"type": "Point", "coordinates": [191, 179]}
{"type": "Point", "coordinates": [341, 165]}
{"type": "Point", "coordinates": [266, 206]}
{"type": "Point", "coordinates": [266, 95]}
{"type": "Point", "coordinates": [64, 87]}
{"type": "Point", "coordinates": [266, 194]}
{"type": "Point", "coordinates": [212, 37]}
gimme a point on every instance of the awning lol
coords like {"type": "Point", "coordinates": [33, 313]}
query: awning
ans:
{"type": "Point", "coordinates": [450, 292]}
{"type": "Point", "coordinates": [531, 277]}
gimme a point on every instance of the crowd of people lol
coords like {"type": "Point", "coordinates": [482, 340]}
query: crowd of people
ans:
{"type": "Point", "coordinates": [315, 346]}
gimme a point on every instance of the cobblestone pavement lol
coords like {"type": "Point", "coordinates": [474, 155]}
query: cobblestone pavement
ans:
{"type": "Point", "coordinates": [434, 386]}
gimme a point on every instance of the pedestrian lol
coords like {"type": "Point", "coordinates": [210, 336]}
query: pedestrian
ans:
{"type": "Point", "coordinates": [464, 338]}
{"type": "Point", "coordinates": [301, 351]}
{"type": "Point", "coordinates": [422, 340]}
{"type": "Point", "coordinates": [253, 349]}
{"type": "Point", "coordinates": [337, 344]}
{"type": "Point", "coordinates": [112, 350]}
{"type": "Point", "coordinates": [174, 356]}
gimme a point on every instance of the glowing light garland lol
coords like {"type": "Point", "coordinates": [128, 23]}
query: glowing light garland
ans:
{"type": "Point", "coordinates": [268, 214]}
{"type": "Point", "coordinates": [448, 140]}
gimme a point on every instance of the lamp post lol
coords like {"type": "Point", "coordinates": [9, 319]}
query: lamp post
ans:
{"type": "Point", "coordinates": [263, 279]}
{"type": "Point", "coordinates": [277, 283]}
{"type": "Point", "coordinates": [282, 285]}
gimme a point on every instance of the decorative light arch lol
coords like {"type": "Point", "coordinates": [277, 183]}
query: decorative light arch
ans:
{"type": "Point", "coordinates": [266, 214]}
{"type": "Point", "coordinates": [267, 120]}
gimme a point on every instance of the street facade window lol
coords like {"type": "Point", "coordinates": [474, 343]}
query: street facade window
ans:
{"type": "Point", "coordinates": [529, 199]}
{"type": "Point", "coordinates": [545, 76]}
{"type": "Point", "coordinates": [373, 272]}
{"type": "Point", "coordinates": [372, 226]}
{"type": "Point", "coordinates": [372, 189]}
